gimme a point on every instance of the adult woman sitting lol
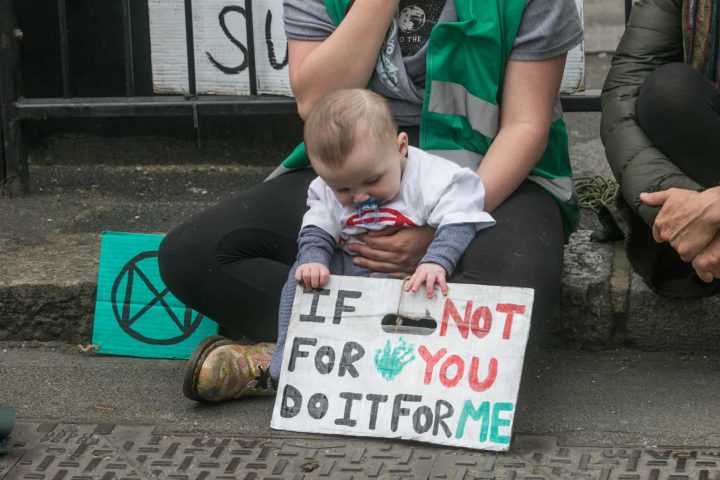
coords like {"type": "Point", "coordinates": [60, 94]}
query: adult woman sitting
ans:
{"type": "Point", "coordinates": [661, 131]}
{"type": "Point", "coordinates": [484, 58]}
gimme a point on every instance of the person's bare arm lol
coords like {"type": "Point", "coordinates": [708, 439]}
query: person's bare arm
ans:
{"type": "Point", "coordinates": [346, 59]}
{"type": "Point", "coordinates": [527, 108]}
{"type": "Point", "coordinates": [530, 90]}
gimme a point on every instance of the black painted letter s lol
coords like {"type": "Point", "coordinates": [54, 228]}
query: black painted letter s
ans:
{"type": "Point", "coordinates": [235, 41]}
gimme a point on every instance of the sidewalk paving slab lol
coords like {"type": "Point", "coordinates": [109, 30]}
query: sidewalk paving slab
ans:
{"type": "Point", "coordinates": [613, 414]}
{"type": "Point", "coordinates": [49, 245]}
{"type": "Point", "coordinates": [661, 322]}
{"type": "Point", "coordinates": [601, 398]}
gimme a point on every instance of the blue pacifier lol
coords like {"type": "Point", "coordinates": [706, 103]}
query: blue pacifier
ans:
{"type": "Point", "coordinates": [368, 211]}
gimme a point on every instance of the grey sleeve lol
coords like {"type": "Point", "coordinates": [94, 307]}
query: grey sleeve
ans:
{"type": "Point", "coordinates": [315, 245]}
{"type": "Point", "coordinates": [548, 28]}
{"type": "Point", "coordinates": [449, 245]}
{"type": "Point", "coordinates": [307, 20]}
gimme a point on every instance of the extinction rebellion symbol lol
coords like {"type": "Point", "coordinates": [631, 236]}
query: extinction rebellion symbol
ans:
{"type": "Point", "coordinates": [141, 307]}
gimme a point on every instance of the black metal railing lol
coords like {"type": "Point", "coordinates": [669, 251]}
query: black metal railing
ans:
{"type": "Point", "coordinates": [12, 162]}
{"type": "Point", "coordinates": [628, 7]}
{"type": "Point", "coordinates": [128, 48]}
{"type": "Point", "coordinates": [15, 108]}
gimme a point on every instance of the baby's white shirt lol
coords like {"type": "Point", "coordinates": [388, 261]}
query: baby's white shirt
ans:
{"type": "Point", "coordinates": [433, 191]}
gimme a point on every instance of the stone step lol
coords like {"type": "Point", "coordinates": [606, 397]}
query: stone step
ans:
{"type": "Point", "coordinates": [49, 246]}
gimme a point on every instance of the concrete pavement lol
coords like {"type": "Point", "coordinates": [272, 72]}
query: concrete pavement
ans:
{"type": "Point", "coordinates": [607, 398]}
{"type": "Point", "coordinates": [615, 414]}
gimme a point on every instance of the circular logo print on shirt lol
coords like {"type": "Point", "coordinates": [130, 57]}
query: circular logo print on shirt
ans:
{"type": "Point", "coordinates": [415, 22]}
{"type": "Point", "coordinates": [412, 19]}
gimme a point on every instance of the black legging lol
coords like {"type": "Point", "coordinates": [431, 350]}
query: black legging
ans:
{"type": "Point", "coordinates": [679, 110]}
{"type": "Point", "coordinates": [230, 262]}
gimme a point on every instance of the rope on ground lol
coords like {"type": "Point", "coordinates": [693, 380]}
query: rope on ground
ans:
{"type": "Point", "coordinates": [599, 194]}
{"type": "Point", "coordinates": [89, 348]}
{"type": "Point", "coordinates": [595, 192]}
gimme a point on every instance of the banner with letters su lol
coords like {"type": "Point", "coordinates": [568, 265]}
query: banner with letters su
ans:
{"type": "Point", "coordinates": [365, 358]}
{"type": "Point", "coordinates": [227, 35]}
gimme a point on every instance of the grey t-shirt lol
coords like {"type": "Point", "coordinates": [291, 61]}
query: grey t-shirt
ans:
{"type": "Point", "coordinates": [548, 28]}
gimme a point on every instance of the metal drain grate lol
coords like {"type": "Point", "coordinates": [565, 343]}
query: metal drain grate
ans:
{"type": "Point", "coordinates": [58, 451]}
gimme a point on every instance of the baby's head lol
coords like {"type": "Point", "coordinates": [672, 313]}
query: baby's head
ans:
{"type": "Point", "coordinates": [352, 141]}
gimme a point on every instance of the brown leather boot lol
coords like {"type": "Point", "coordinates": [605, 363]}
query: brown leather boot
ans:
{"type": "Point", "coordinates": [220, 369]}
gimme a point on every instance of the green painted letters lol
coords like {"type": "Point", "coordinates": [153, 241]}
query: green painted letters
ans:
{"type": "Point", "coordinates": [492, 423]}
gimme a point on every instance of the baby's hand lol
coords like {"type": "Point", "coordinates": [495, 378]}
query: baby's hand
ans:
{"type": "Point", "coordinates": [429, 274]}
{"type": "Point", "coordinates": [312, 275]}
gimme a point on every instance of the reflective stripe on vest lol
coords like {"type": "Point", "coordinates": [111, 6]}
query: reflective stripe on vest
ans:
{"type": "Point", "coordinates": [464, 158]}
{"type": "Point", "coordinates": [562, 187]}
{"type": "Point", "coordinates": [454, 99]}
{"type": "Point", "coordinates": [557, 110]}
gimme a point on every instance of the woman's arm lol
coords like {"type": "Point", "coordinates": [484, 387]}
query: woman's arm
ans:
{"type": "Point", "coordinates": [346, 59]}
{"type": "Point", "coordinates": [652, 38]}
{"type": "Point", "coordinates": [526, 114]}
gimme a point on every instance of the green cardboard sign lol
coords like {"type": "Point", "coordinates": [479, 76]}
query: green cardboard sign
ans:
{"type": "Point", "coordinates": [135, 314]}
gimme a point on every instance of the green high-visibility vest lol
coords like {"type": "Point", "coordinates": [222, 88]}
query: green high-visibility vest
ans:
{"type": "Point", "coordinates": [460, 118]}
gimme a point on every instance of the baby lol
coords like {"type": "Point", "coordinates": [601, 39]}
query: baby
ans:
{"type": "Point", "coordinates": [369, 178]}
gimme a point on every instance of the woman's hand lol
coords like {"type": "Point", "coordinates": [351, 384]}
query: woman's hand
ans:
{"type": "Point", "coordinates": [688, 220]}
{"type": "Point", "coordinates": [707, 262]}
{"type": "Point", "coordinates": [393, 250]}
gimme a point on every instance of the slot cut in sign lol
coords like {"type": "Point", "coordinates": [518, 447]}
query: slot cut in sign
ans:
{"type": "Point", "coordinates": [365, 358]}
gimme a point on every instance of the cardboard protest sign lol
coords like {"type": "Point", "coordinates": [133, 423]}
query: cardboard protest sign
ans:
{"type": "Point", "coordinates": [135, 313]}
{"type": "Point", "coordinates": [444, 371]}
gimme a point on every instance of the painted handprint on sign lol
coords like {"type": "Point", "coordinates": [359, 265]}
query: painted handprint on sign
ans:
{"type": "Point", "coordinates": [390, 361]}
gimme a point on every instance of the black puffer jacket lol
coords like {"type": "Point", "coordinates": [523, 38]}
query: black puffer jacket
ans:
{"type": "Point", "coordinates": [653, 37]}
